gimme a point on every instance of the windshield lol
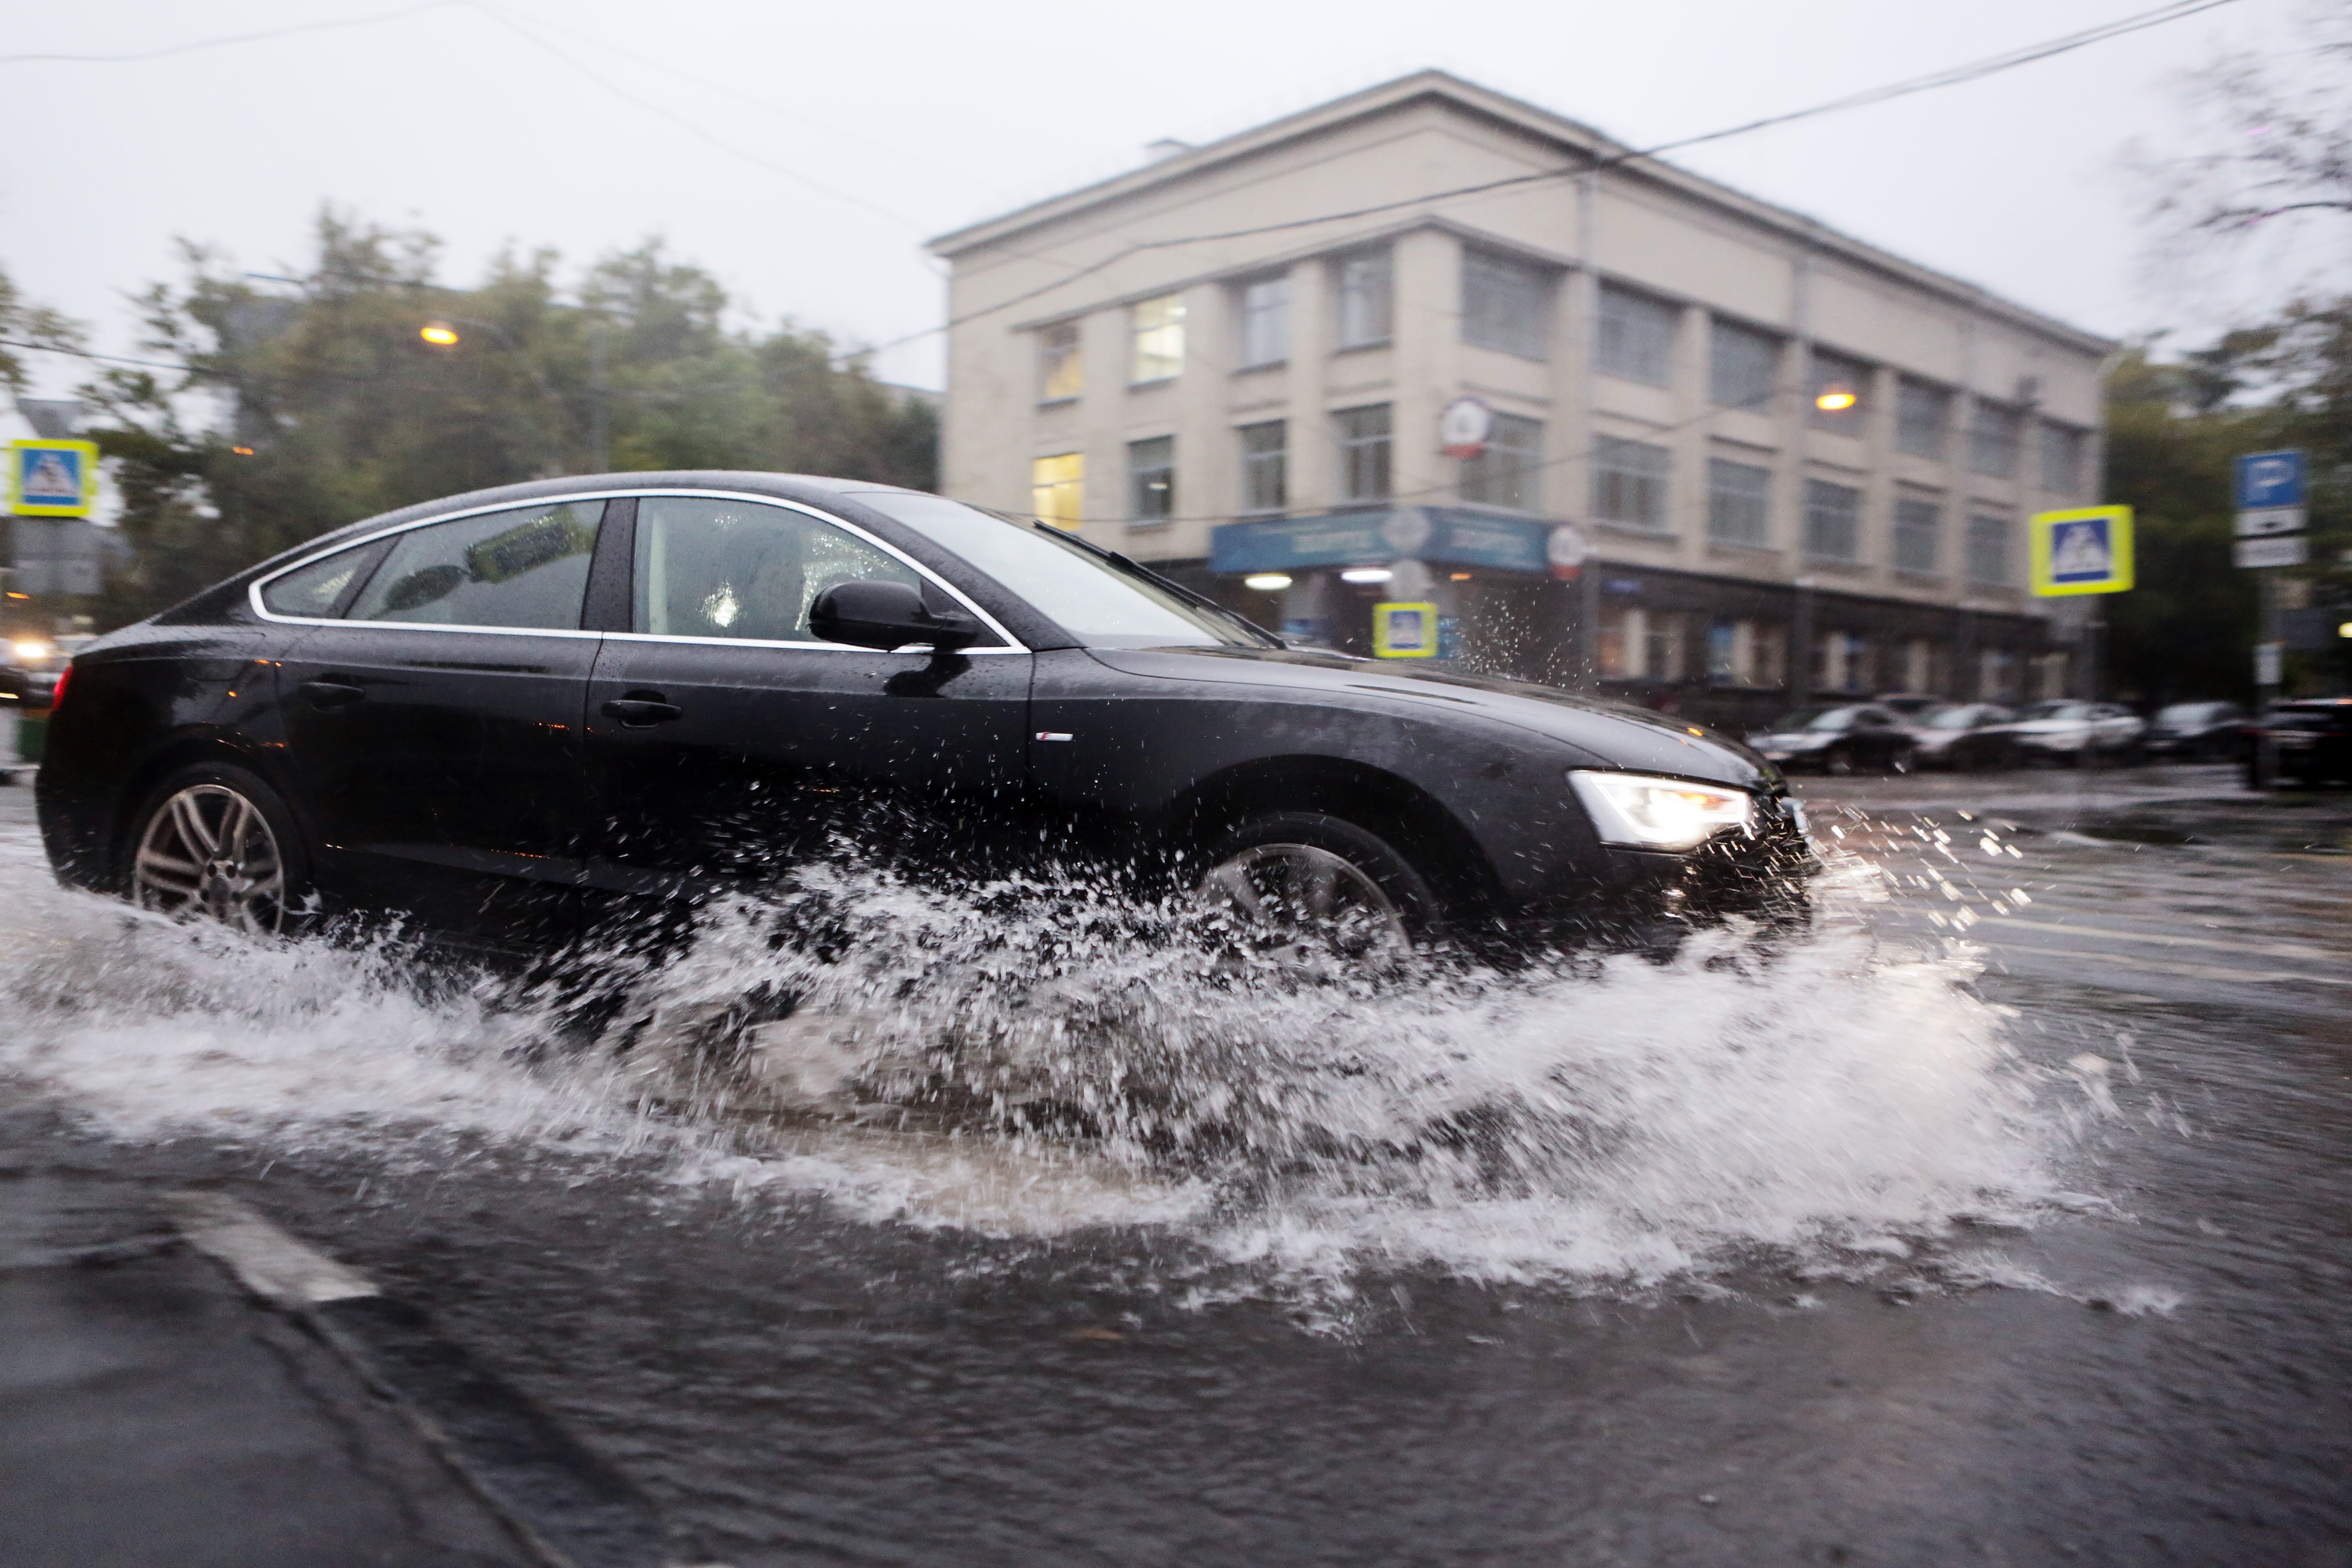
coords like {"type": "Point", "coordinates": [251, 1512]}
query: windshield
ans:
{"type": "Point", "coordinates": [2059, 710]}
{"type": "Point", "coordinates": [2186, 712]}
{"type": "Point", "coordinates": [1816, 718]}
{"type": "Point", "coordinates": [1102, 602]}
{"type": "Point", "coordinates": [1952, 718]}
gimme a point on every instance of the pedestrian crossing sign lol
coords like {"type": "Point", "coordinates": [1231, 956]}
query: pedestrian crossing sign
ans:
{"type": "Point", "coordinates": [1403, 629]}
{"type": "Point", "coordinates": [52, 478]}
{"type": "Point", "coordinates": [2087, 551]}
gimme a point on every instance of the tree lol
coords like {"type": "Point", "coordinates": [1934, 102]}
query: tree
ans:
{"type": "Point", "coordinates": [308, 405]}
{"type": "Point", "coordinates": [26, 325]}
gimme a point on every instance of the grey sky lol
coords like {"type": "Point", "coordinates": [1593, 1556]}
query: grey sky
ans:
{"type": "Point", "coordinates": [931, 115]}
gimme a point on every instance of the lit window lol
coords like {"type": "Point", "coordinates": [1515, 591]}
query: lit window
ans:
{"type": "Point", "coordinates": [1265, 322]}
{"type": "Point", "coordinates": [1629, 482]}
{"type": "Point", "coordinates": [1922, 414]}
{"type": "Point", "coordinates": [1742, 364]}
{"type": "Point", "coordinates": [1509, 471]}
{"type": "Point", "coordinates": [1367, 292]}
{"type": "Point", "coordinates": [1061, 371]}
{"type": "Point", "coordinates": [1057, 489]}
{"type": "Point", "coordinates": [1836, 388]}
{"type": "Point", "coordinates": [1152, 479]}
{"type": "Point", "coordinates": [1739, 503]}
{"type": "Point", "coordinates": [1917, 527]}
{"type": "Point", "coordinates": [1265, 466]}
{"type": "Point", "coordinates": [1637, 336]}
{"type": "Point", "coordinates": [1992, 439]}
{"type": "Point", "coordinates": [1364, 453]}
{"type": "Point", "coordinates": [1988, 549]}
{"type": "Point", "coordinates": [2062, 459]}
{"type": "Point", "coordinates": [1158, 337]}
{"type": "Point", "coordinates": [1504, 302]}
{"type": "Point", "coordinates": [1832, 521]}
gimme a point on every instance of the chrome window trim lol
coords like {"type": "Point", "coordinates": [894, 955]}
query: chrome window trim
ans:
{"type": "Point", "coordinates": [1013, 644]}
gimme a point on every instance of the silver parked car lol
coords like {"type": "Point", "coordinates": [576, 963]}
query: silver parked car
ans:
{"type": "Point", "coordinates": [2067, 730]}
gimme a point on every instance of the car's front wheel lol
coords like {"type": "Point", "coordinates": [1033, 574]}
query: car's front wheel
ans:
{"type": "Point", "coordinates": [215, 842]}
{"type": "Point", "coordinates": [1311, 884]}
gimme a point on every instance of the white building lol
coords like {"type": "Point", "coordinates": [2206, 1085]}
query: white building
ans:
{"type": "Point", "coordinates": [1799, 465]}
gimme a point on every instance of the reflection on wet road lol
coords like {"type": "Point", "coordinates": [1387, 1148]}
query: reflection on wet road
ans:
{"type": "Point", "coordinates": [1999, 1221]}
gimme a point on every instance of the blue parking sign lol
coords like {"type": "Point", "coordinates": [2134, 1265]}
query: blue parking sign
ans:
{"type": "Point", "coordinates": [2269, 478]}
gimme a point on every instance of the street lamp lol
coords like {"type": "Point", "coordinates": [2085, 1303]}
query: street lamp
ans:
{"type": "Point", "coordinates": [440, 334]}
{"type": "Point", "coordinates": [443, 334]}
{"type": "Point", "coordinates": [1836, 400]}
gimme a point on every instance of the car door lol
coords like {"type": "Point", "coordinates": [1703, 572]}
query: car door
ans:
{"type": "Point", "coordinates": [725, 742]}
{"type": "Point", "coordinates": [434, 724]}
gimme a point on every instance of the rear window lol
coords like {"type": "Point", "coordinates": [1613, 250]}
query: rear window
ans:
{"type": "Point", "coordinates": [321, 589]}
{"type": "Point", "coordinates": [523, 568]}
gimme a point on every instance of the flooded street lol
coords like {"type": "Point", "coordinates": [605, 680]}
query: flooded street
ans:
{"type": "Point", "coordinates": [1998, 1217]}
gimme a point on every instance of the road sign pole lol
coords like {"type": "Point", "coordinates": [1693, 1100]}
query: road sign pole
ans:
{"type": "Point", "coordinates": [2267, 676]}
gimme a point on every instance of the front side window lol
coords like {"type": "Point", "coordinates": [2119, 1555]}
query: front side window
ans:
{"type": "Point", "coordinates": [1509, 471]}
{"type": "Point", "coordinates": [1265, 466]}
{"type": "Point", "coordinates": [1834, 393]}
{"type": "Point", "coordinates": [741, 570]}
{"type": "Point", "coordinates": [1992, 439]}
{"type": "Point", "coordinates": [1057, 488]}
{"type": "Point", "coordinates": [1742, 364]}
{"type": "Point", "coordinates": [1739, 502]}
{"type": "Point", "coordinates": [1103, 600]}
{"type": "Point", "coordinates": [1637, 336]}
{"type": "Point", "coordinates": [1364, 453]}
{"type": "Point", "coordinates": [1062, 373]}
{"type": "Point", "coordinates": [1152, 479]}
{"type": "Point", "coordinates": [1159, 330]}
{"type": "Point", "coordinates": [1504, 302]}
{"type": "Point", "coordinates": [1922, 414]}
{"type": "Point", "coordinates": [1629, 482]}
{"type": "Point", "coordinates": [1265, 322]}
{"type": "Point", "coordinates": [1367, 292]}
{"type": "Point", "coordinates": [2062, 459]}
{"type": "Point", "coordinates": [1918, 525]}
{"type": "Point", "coordinates": [1988, 549]}
{"type": "Point", "coordinates": [525, 568]}
{"type": "Point", "coordinates": [1832, 521]}
{"type": "Point", "coordinates": [320, 591]}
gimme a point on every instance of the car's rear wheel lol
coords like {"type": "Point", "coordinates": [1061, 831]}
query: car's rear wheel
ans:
{"type": "Point", "coordinates": [1311, 886]}
{"type": "Point", "coordinates": [214, 842]}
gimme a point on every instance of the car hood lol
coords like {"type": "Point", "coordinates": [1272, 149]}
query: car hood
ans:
{"type": "Point", "coordinates": [1611, 734]}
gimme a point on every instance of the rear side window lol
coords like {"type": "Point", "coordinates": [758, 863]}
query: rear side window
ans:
{"type": "Point", "coordinates": [525, 568]}
{"type": "Point", "coordinates": [710, 568]}
{"type": "Point", "coordinates": [321, 589]}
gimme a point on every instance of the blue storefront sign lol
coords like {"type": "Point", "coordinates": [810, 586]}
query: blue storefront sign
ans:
{"type": "Point", "coordinates": [1446, 536]}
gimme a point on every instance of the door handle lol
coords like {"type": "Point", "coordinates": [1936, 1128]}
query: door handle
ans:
{"type": "Point", "coordinates": [330, 691]}
{"type": "Point", "coordinates": [641, 709]}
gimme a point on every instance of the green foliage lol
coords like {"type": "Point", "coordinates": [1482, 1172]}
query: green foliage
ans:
{"type": "Point", "coordinates": [336, 408]}
{"type": "Point", "coordinates": [22, 323]}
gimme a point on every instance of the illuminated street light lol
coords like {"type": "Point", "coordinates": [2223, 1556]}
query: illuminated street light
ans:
{"type": "Point", "coordinates": [1365, 575]}
{"type": "Point", "coordinates": [1836, 400]}
{"type": "Point", "coordinates": [2345, 630]}
{"type": "Point", "coordinates": [1267, 582]}
{"type": "Point", "coordinates": [440, 334]}
{"type": "Point", "coordinates": [31, 651]}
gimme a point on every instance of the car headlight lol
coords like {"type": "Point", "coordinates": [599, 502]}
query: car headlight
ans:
{"type": "Point", "coordinates": [1660, 813]}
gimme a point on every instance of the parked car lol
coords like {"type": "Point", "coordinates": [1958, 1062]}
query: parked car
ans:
{"type": "Point", "coordinates": [2314, 736]}
{"type": "Point", "coordinates": [1854, 737]}
{"type": "Point", "coordinates": [2198, 732]}
{"type": "Point", "coordinates": [1970, 736]}
{"type": "Point", "coordinates": [2063, 730]}
{"type": "Point", "coordinates": [1910, 706]}
{"type": "Point", "coordinates": [510, 713]}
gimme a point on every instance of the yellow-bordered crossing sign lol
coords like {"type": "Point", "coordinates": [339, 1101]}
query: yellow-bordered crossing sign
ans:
{"type": "Point", "coordinates": [1404, 629]}
{"type": "Point", "coordinates": [2086, 551]}
{"type": "Point", "coordinates": [52, 478]}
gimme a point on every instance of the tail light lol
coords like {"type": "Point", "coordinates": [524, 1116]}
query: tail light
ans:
{"type": "Point", "coordinates": [58, 692]}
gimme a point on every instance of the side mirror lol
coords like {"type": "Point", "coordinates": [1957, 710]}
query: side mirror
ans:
{"type": "Point", "coordinates": [887, 615]}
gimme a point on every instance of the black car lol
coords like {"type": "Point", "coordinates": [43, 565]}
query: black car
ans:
{"type": "Point", "coordinates": [1845, 738]}
{"type": "Point", "coordinates": [506, 713]}
{"type": "Point", "coordinates": [2313, 737]}
{"type": "Point", "coordinates": [2198, 732]}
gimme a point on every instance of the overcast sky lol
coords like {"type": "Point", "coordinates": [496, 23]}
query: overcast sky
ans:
{"type": "Point", "coordinates": [886, 123]}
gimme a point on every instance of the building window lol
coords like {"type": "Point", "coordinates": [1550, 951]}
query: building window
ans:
{"type": "Point", "coordinates": [1265, 466]}
{"type": "Point", "coordinates": [1916, 525]}
{"type": "Point", "coordinates": [1364, 453]}
{"type": "Point", "coordinates": [1992, 440]}
{"type": "Point", "coordinates": [1996, 675]}
{"type": "Point", "coordinates": [1504, 302]}
{"type": "Point", "coordinates": [1832, 521]}
{"type": "Point", "coordinates": [1922, 414]}
{"type": "Point", "coordinates": [1061, 372]}
{"type": "Point", "coordinates": [1739, 503]}
{"type": "Point", "coordinates": [1637, 336]}
{"type": "Point", "coordinates": [1618, 649]}
{"type": "Point", "coordinates": [1265, 322]}
{"type": "Point", "coordinates": [1741, 366]}
{"type": "Point", "coordinates": [1988, 549]}
{"type": "Point", "coordinates": [1367, 292]}
{"type": "Point", "coordinates": [1842, 662]}
{"type": "Point", "coordinates": [1629, 483]}
{"type": "Point", "coordinates": [1508, 473]}
{"type": "Point", "coordinates": [1152, 479]}
{"type": "Point", "coordinates": [1662, 652]}
{"type": "Point", "coordinates": [1159, 328]}
{"type": "Point", "coordinates": [2062, 459]}
{"type": "Point", "coordinates": [1057, 489]}
{"type": "Point", "coordinates": [1835, 390]}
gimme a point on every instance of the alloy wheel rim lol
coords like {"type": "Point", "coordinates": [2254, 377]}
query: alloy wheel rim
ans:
{"type": "Point", "coordinates": [1306, 904]}
{"type": "Point", "coordinates": [208, 851]}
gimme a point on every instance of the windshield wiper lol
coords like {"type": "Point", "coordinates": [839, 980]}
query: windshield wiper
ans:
{"type": "Point", "coordinates": [1136, 568]}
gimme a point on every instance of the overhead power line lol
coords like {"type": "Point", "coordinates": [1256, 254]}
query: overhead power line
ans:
{"type": "Point", "coordinates": [371, 19]}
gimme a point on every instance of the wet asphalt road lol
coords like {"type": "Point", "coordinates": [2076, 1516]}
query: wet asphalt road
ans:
{"type": "Point", "coordinates": [2164, 1380]}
